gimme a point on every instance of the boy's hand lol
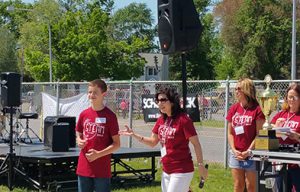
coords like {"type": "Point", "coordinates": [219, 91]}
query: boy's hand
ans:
{"type": "Point", "coordinates": [81, 142]}
{"type": "Point", "coordinates": [92, 155]}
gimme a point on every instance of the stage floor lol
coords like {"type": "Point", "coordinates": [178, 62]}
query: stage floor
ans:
{"type": "Point", "coordinates": [42, 166]}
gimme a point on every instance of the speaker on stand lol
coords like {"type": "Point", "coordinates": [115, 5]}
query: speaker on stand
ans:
{"type": "Point", "coordinates": [179, 27]}
{"type": "Point", "coordinates": [10, 89]}
{"type": "Point", "coordinates": [179, 30]}
{"type": "Point", "coordinates": [10, 99]}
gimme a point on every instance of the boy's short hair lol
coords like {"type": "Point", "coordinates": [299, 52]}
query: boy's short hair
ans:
{"type": "Point", "coordinates": [99, 83]}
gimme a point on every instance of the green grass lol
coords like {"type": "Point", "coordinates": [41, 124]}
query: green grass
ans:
{"type": "Point", "coordinates": [219, 179]}
{"type": "Point", "coordinates": [210, 123]}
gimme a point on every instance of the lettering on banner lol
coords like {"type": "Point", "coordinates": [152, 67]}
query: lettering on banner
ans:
{"type": "Point", "coordinates": [149, 103]}
{"type": "Point", "coordinates": [154, 116]}
{"type": "Point", "coordinates": [191, 102]}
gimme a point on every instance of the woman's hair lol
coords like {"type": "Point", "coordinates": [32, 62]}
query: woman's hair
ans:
{"type": "Point", "coordinates": [174, 99]}
{"type": "Point", "coordinates": [295, 87]}
{"type": "Point", "coordinates": [248, 88]}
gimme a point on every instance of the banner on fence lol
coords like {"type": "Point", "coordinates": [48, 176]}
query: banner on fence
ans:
{"type": "Point", "coordinates": [71, 106]}
{"type": "Point", "coordinates": [151, 112]}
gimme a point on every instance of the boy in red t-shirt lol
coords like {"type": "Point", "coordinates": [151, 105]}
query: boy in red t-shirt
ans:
{"type": "Point", "coordinates": [97, 137]}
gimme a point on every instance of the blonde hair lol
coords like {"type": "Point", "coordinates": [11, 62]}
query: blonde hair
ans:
{"type": "Point", "coordinates": [248, 88]}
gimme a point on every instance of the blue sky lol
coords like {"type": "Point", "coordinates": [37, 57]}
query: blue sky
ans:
{"type": "Point", "coordinates": [152, 4]}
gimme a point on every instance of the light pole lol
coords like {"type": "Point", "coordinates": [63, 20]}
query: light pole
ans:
{"type": "Point", "coordinates": [20, 47]}
{"type": "Point", "coordinates": [11, 9]}
{"type": "Point", "coordinates": [293, 67]}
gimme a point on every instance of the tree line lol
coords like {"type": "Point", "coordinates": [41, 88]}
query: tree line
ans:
{"type": "Point", "coordinates": [89, 40]}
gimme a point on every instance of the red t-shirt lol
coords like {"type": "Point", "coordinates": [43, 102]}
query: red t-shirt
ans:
{"type": "Point", "coordinates": [293, 122]}
{"type": "Point", "coordinates": [175, 134]}
{"type": "Point", "coordinates": [98, 127]}
{"type": "Point", "coordinates": [238, 116]}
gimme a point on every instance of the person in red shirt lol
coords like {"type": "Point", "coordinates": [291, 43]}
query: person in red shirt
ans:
{"type": "Point", "coordinates": [97, 137]}
{"type": "Point", "coordinates": [245, 118]}
{"type": "Point", "coordinates": [174, 130]}
{"type": "Point", "coordinates": [124, 108]}
{"type": "Point", "coordinates": [290, 117]}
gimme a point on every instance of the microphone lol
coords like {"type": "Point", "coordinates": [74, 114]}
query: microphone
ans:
{"type": "Point", "coordinates": [201, 184]}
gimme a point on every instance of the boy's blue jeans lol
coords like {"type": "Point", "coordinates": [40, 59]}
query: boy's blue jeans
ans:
{"type": "Point", "coordinates": [88, 184]}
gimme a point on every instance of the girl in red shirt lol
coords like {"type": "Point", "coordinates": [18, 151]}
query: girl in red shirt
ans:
{"type": "Point", "coordinates": [173, 130]}
{"type": "Point", "coordinates": [245, 118]}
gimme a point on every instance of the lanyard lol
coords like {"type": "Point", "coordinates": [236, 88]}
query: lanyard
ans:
{"type": "Point", "coordinates": [242, 116]}
{"type": "Point", "coordinates": [288, 119]}
{"type": "Point", "coordinates": [166, 132]}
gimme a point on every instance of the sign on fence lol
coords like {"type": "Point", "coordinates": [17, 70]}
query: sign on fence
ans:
{"type": "Point", "coordinates": [151, 112]}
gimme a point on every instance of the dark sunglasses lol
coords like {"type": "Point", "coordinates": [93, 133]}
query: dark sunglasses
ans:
{"type": "Point", "coordinates": [162, 100]}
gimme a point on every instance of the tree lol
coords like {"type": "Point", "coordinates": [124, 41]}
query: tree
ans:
{"type": "Point", "coordinates": [8, 59]}
{"type": "Point", "coordinates": [35, 39]}
{"type": "Point", "coordinates": [131, 22]}
{"type": "Point", "coordinates": [84, 51]}
{"type": "Point", "coordinates": [256, 36]}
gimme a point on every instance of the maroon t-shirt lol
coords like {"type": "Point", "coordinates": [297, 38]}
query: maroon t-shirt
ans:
{"type": "Point", "coordinates": [98, 127]}
{"type": "Point", "coordinates": [238, 116]}
{"type": "Point", "coordinates": [174, 134]}
{"type": "Point", "coordinates": [292, 121]}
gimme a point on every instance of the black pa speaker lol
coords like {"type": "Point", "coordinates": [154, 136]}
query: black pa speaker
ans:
{"type": "Point", "coordinates": [51, 120]}
{"type": "Point", "coordinates": [10, 89]}
{"type": "Point", "coordinates": [179, 27]}
{"type": "Point", "coordinates": [56, 136]}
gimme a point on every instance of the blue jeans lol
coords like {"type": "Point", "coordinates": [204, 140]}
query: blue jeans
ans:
{"type": "Point", "coordinates": [89, 184]}
{"type": "Point", "coordinates": [293, 178]}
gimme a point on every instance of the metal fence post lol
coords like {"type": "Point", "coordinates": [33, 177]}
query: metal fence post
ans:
{"type": "Point", "coordinates": [226, 124]}
{"type": "Point", "coordinates": [57, 98]}
{"type": "Point", "coordinates": [130, 110]}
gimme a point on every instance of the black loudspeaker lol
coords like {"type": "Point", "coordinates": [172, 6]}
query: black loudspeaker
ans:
{"type": "Point", "coordinates": [51, 120]}
{"type": "Point", "coordinates": [56, 136]}
{"type": "Point", "coordinates": [179, 27]}
{"type": "Point", "coordinates": [10, 89]}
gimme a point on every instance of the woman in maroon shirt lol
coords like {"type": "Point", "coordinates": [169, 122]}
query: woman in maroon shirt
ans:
{"type": "Point", "coordinates": [290, 117]}
{"type": "Point", "coordinates": [173, 130]}
{"type": "Point", "coordinates": [245, 118]}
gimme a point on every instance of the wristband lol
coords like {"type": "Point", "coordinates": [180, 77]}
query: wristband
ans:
{"type": "Point", "coordinates": [200, 164]}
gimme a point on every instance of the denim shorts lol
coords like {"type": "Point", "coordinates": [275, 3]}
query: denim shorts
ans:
{"type": "Point", "coordinates": [248, 165]}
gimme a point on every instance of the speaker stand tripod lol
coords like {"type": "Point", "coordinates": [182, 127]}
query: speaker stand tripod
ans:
{"type": "Point", "coordinates": [25, 131]}
{"type": "Point", "coordinates": [8, 165]}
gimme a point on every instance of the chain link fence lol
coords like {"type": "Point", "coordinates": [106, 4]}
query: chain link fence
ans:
{"type": "Point", "coordinates": [214, 98]}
